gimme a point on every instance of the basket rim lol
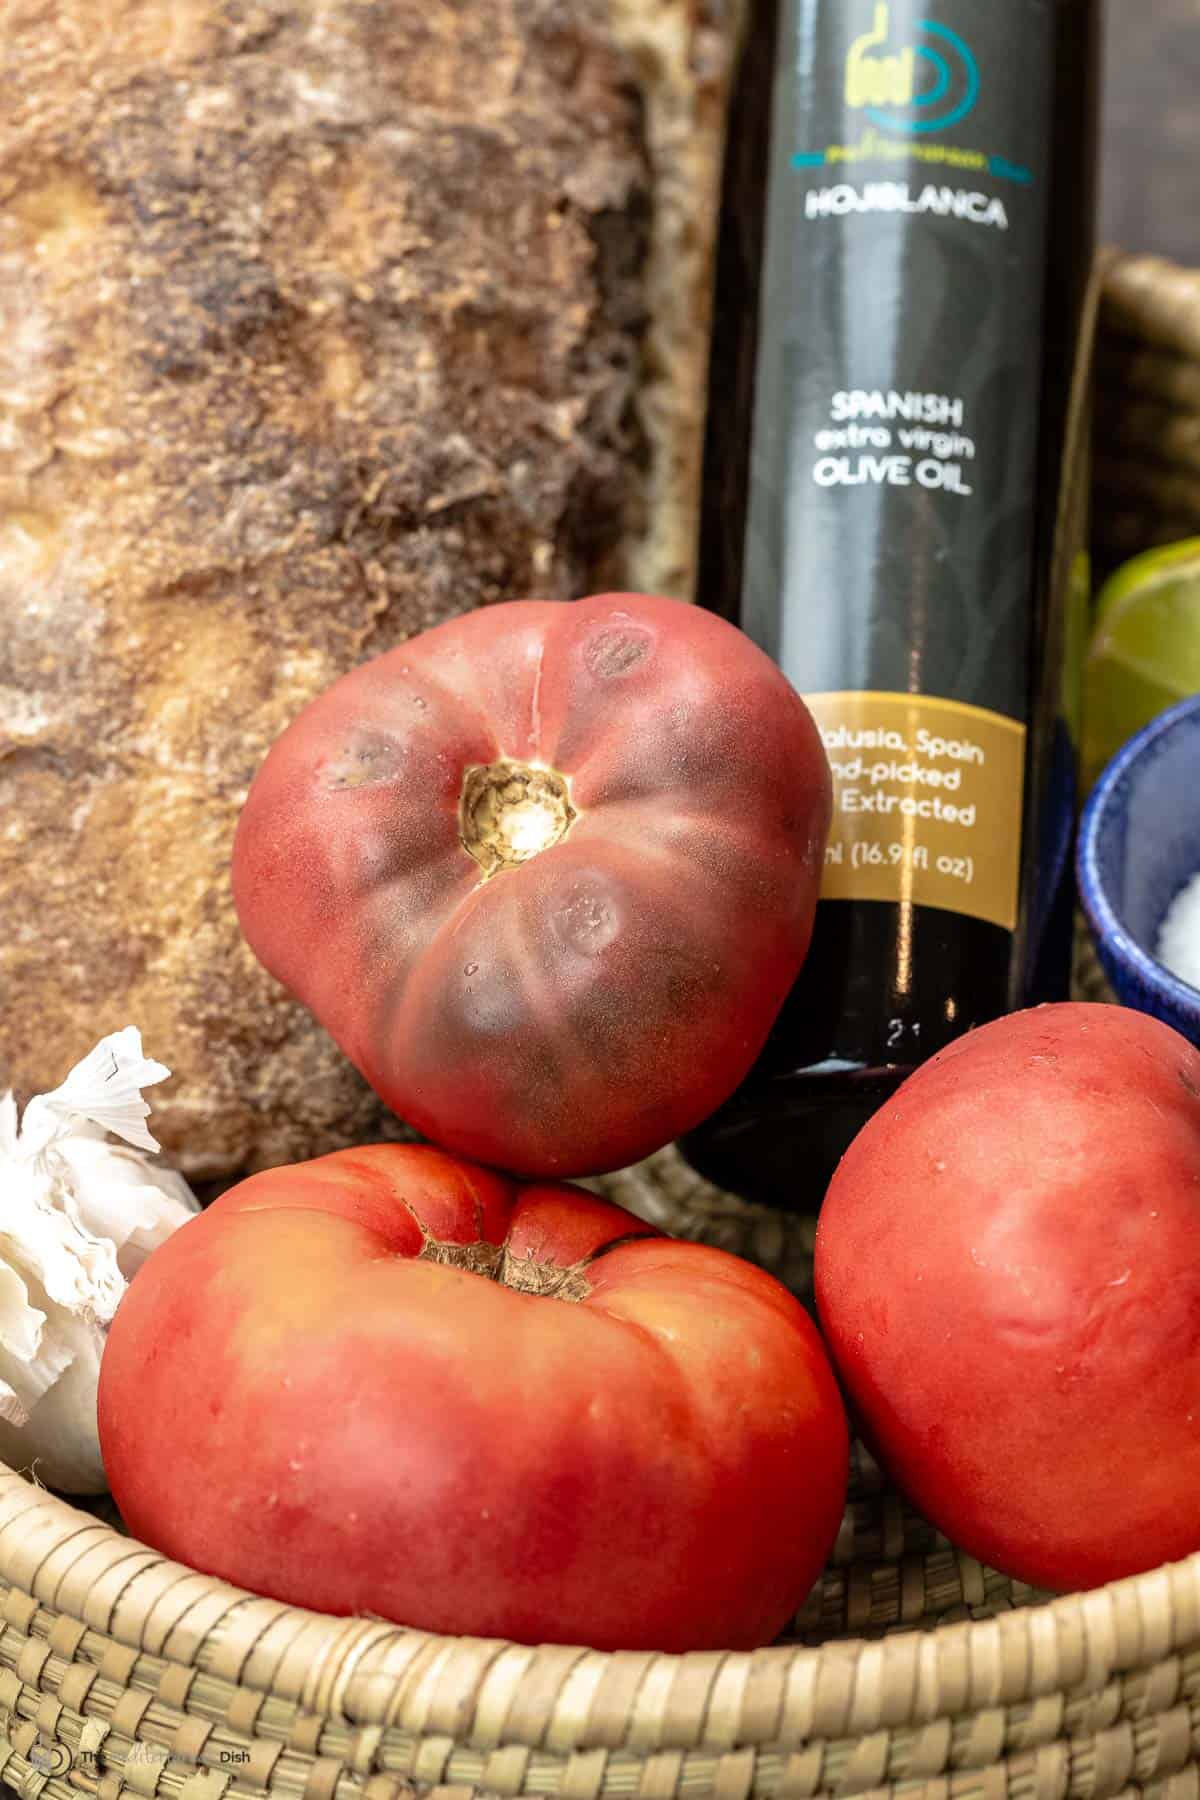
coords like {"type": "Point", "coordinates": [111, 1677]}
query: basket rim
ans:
{"type": "Point", "coordinates": [369, 1671]}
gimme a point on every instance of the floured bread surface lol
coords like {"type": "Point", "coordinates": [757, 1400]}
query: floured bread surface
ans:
{"type": "Point", "coordinates": [684, 54]}
{"type": "Point", "coordinates": [318, 324]}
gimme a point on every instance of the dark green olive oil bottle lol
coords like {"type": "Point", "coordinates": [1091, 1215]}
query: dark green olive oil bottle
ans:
{"type": "Point", "coordinates": [896, 389]}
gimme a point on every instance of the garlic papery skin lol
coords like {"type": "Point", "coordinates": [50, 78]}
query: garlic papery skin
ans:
{"type": "Point", "coordinates": [79, 1214]}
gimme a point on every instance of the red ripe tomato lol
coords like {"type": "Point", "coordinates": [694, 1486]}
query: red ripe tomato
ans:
{"type": "Point", "coordinates": [546, 873]}
{"type": "Point", "coordinates": [1008, 1274]}
{"type": "Point", "coordinates": [391, 1382]}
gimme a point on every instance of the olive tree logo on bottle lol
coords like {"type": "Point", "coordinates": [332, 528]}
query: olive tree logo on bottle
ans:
{"type": "Point", "coordinates": [911, 88]}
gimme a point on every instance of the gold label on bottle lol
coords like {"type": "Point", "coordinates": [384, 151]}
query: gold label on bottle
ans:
{"type": "Point", "coordinates": [927, 803]}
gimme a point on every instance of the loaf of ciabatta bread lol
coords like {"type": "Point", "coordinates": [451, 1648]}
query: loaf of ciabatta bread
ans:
{"type": "Point", "coordinates": [318, 324]}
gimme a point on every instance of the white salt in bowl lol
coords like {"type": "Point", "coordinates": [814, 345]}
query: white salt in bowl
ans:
{"type": "Point", "coordinates": [1139, 846]}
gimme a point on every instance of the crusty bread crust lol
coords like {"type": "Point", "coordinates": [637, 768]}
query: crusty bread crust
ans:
{"type": "Point", "coordinates": [684, 54]}
{"type": "Point", "coordinates": [318, 323]}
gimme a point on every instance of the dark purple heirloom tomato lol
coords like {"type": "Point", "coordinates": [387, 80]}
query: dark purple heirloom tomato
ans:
{"type": "Point", "coordinates": [546, 873]}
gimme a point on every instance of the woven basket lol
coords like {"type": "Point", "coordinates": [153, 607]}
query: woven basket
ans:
{"type": "Point", "coordinates": [910, 1669]}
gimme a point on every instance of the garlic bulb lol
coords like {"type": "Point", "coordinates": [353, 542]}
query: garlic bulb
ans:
{"type": "Point", "coordinates": [79, 1214]}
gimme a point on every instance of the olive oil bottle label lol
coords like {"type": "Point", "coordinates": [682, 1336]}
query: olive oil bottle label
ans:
{"type": "Point", "coordinates": [927, 798]}
{"type": "Point", "coordinates": [889, 549]}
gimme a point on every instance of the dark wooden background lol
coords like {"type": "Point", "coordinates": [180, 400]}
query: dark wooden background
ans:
{"type": "Point", "coordinates": [1151, 168]}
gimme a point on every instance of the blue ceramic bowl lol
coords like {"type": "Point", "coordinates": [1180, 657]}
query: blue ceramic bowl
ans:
{"type": "Point", "coordinates": [1138, 845]}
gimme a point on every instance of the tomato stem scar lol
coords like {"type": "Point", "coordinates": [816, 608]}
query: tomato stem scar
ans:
{"type": "Point", "coordinates": [509, 812]}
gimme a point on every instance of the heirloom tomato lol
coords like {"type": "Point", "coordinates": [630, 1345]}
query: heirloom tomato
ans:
{"type": "Point", "coordinates": [389, 1382]}
{"type": "Point", "coordinates": [546, 873]}
{"type": "Point", "coordinates": [1008, 1274]}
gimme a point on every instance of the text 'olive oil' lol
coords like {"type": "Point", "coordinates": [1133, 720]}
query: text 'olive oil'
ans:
{"type": "Point", "coordinates": [906, 243]}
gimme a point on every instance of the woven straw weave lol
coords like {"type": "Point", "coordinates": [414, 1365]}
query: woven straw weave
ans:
{"type": "Point", "coordinates": [911, 1668]}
